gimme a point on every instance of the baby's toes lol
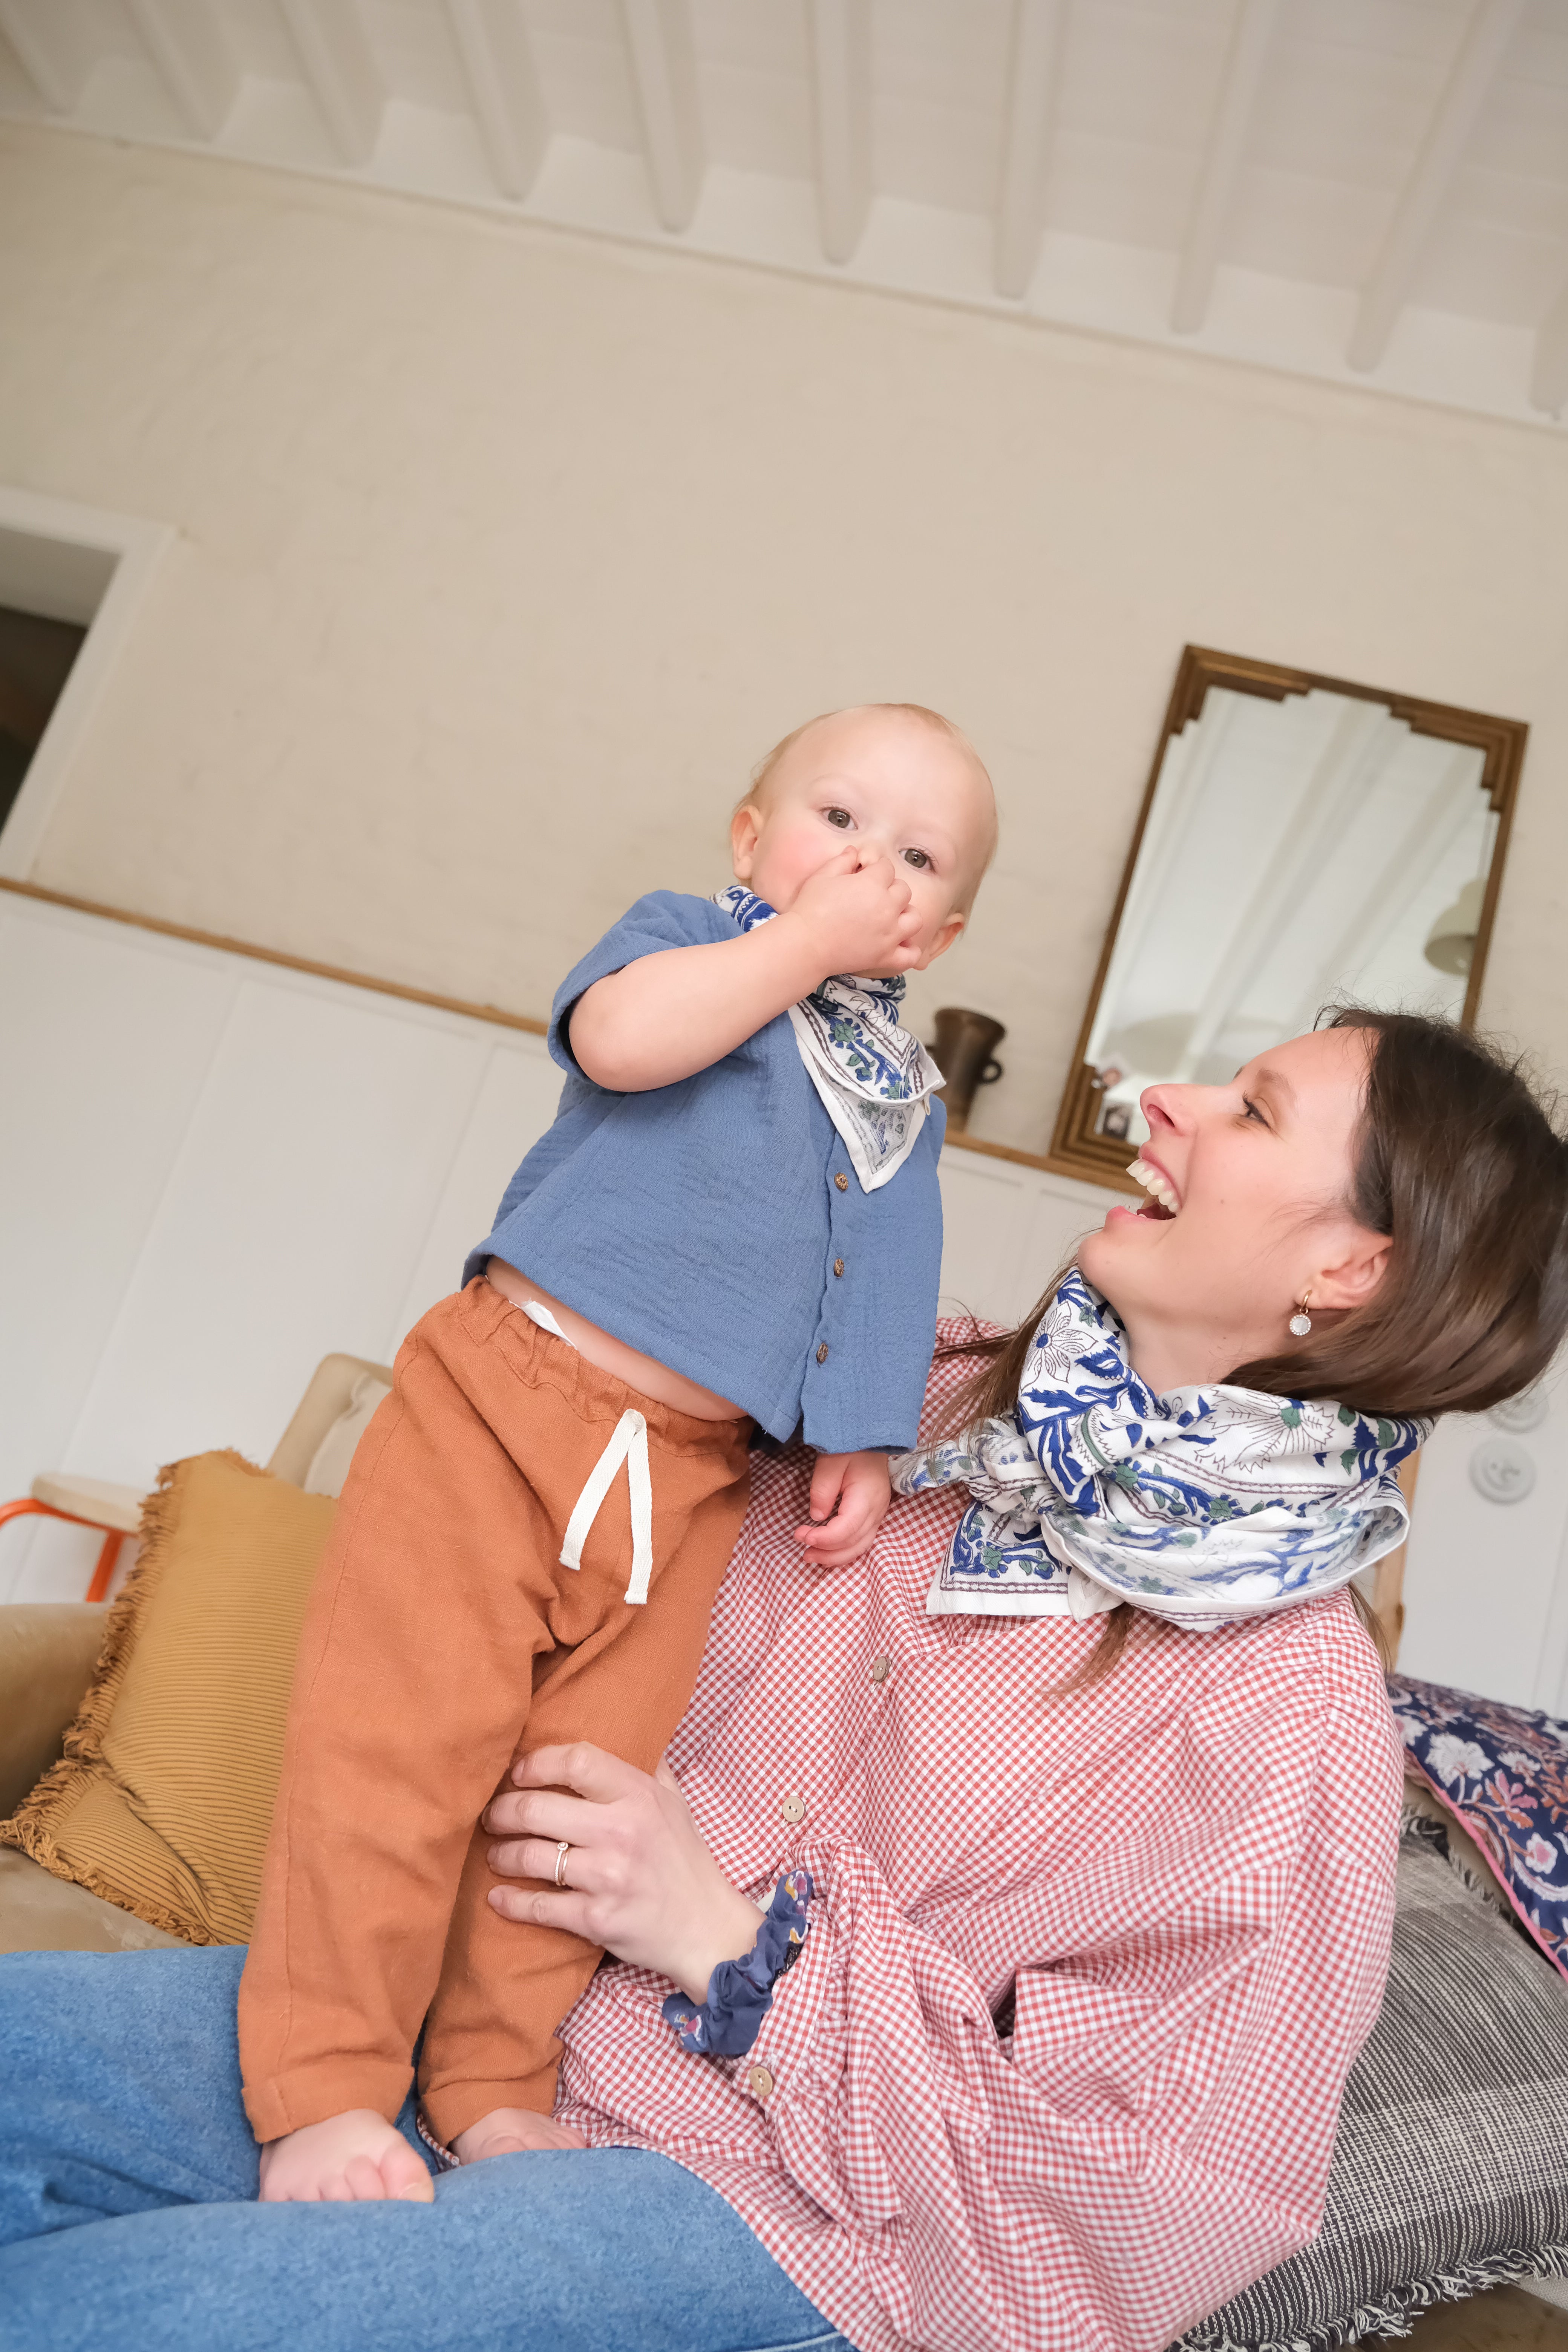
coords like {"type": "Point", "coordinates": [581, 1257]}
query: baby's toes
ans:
{"type": "Point", "coordinates": [404, 2175]}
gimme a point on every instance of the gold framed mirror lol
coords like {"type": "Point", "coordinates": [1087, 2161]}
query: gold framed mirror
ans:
{"type": "Point", "coordinates": [1302, 838]}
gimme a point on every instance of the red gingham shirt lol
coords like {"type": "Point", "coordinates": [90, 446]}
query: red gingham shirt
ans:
{"type": "Point", "coordinates": [1185, 1874]}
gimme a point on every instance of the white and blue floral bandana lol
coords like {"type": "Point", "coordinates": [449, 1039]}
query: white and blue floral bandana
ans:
{"type": "Point", "coordinates": [872, 1076]}
{"type": "Point", "coordinates": [1201, 1505]}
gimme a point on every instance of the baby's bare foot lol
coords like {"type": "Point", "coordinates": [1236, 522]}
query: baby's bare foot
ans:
{"type": "Point", "coordinates": [355, 2157]}
{"type": "Point", "coordinates": [507, 2131]}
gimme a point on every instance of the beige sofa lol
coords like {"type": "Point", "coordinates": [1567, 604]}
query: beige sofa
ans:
{"type": "Point", "coordinates": [47, 1651]}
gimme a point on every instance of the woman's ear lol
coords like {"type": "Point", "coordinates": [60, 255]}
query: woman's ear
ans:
{"type": "Point", "coordinates": [1353, 1277]}
{"type": "Point", "coordinates": [745, 830]}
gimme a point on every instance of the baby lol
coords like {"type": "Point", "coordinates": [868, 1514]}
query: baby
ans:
{"type": "Point", "coordinates": [732, 1224]}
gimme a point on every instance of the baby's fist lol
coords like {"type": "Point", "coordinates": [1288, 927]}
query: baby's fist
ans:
{"type": "Point", "coordinates": [849, 1497]}
{"type": "Point", "coordinates": [860, 916]}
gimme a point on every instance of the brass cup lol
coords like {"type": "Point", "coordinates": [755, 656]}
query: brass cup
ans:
{"type": "Point", "coordinates": [965, 1047]}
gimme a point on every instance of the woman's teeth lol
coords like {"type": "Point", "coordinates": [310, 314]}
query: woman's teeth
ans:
{"type": "Point", "coordinates": [1156, 1184]}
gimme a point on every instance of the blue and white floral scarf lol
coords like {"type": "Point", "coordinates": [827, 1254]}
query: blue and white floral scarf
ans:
{"type": "Point", "coordinates": [873, 1077]}
{"type": "Point", "coordinates": [1201, 1505]}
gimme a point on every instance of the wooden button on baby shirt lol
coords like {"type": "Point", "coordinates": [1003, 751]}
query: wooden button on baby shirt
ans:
{"type": "Point", "coordinates": [759, 2082]}
{"type": "Point", "coordinates": [792, 1808]}
{"type": "Point", "coordinates": [822, 1353]}
{"type": "Point", "coordinates": [842, 1181]}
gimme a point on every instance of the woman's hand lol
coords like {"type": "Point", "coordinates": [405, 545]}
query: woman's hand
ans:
{"type": "Point", "coordinates": [849, 1498]}
{"type": "Point", "coordinates": [638, 1879]}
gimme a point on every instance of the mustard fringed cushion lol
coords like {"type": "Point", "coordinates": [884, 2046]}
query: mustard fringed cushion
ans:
{"type": "Point", "coordinates": [163, 1799]}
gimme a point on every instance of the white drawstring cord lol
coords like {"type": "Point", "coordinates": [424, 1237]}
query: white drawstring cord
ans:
{"type": "Point", "coordinates": [628, 1445]}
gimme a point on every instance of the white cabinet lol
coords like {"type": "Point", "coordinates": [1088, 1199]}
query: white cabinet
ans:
{"type": "Point", "coordinates": [1006, 1228]}
{"type": "Point", "coordinates": [216, 1171]}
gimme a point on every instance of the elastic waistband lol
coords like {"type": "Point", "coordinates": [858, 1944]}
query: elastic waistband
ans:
{"type": "Point", "coordinates": [485, 1310]}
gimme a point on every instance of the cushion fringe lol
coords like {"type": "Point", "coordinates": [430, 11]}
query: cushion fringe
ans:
{"type": "Point", "coordinates": [1399, 2309]}
{"type": "Point", "coordinates": [1417, 1824]}
{"type": "Point", "coordinates": [29, 1828]}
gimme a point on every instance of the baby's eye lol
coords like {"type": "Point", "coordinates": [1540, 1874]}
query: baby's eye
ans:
{"type": "Point", "coordinates": [840, 818]}
{"type": "Point", "coordinates": [916, 858]}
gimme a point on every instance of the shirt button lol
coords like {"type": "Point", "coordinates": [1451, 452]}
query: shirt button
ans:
{"type": "Point", "coordinates": [880, 1669]}
{"type": "Point", "coordinates": [842, 1181]}
{"type": "Point", "coordinates": [792, 1808]}
{"type": "Point", "coordinates": [838, 1266]}
{"type": "Point", "coordinates": [822, 1353]}
{"type": "Point", "coordinates": [759, 2082]}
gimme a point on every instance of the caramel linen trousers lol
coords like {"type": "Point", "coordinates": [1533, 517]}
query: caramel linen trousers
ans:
{"type": "Point", "coordinates": [442, 1638]}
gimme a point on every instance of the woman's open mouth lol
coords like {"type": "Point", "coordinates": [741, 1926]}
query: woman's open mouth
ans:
{"type": "Point", "coordinates": [1165, 1201]}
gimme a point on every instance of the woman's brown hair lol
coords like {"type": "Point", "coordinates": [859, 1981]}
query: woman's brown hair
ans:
{"type": "Point", "coordinates": [1457, 1160]}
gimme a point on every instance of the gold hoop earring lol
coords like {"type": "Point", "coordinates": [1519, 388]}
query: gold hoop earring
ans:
{"type": "Point", "coordinates": [1301, 1322]}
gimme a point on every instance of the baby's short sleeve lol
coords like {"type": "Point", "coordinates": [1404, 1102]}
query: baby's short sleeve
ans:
{"type": "Point", "coordinates": [663, 918]}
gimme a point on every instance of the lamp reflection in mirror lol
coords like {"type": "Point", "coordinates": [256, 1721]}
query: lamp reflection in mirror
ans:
{"type": "Point", "coordinates": [1302, 840]}
{"type": "Point", "coordinates": [1451, 941]}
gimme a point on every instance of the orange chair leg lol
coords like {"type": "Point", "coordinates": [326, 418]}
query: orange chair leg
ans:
{"type": "Point", "coordinates": [98, 1589]}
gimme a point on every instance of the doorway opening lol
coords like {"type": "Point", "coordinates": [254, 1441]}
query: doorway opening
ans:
{"type": "Point", "coordinates": [36, 657]}
{"type": "Point", "coordinates": [70, 580]}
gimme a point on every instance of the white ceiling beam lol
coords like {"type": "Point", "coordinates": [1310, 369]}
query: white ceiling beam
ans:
{"type": "Point", "coordinates": [340, 68]}
{"type": "Point", "coordinates": [1490, 31]}
{"type": "Point", "coordinates": [504, 85]}
{"type": "Point", "coordinates": [1549, 366]}
{"type": "Point", "coordinates": [664, 74]}
{"type": "Point", "coordinates": [1223, 159]}
{"type": "Point", "coordinates": [1031, 83]}
{"type": "Point", "coordinates": [196, 59]}
{"type": "Point", "coordinates": [55, 60]}
{"type": "Point", "coordinates": [841, 89]}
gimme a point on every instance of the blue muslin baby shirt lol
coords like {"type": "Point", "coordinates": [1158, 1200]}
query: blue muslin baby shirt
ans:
{"type": "Point", "coordinates": [703, 1223]}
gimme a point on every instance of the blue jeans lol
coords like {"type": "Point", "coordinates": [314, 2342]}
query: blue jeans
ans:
{"type": "Point", "coordinates": [127, 2221]}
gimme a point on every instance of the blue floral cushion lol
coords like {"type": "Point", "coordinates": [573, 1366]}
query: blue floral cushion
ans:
{"type": "Point", "coordinates": [1502, 1772]}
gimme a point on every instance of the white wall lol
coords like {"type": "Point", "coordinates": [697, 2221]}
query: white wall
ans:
{"type": "Point", "coordinates": [504, 552]}
{"type": "Point", "coordinates": [217, 1172]}
{"type": "Point", "coordinates": [1487, 1583]}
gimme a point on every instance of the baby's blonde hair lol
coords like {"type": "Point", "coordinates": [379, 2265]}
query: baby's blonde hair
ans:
{"type": "Point", "coordinates": [755, 793]}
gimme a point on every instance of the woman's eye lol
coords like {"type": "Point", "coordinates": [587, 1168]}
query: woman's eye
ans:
{"type": "Point", "coordinates": [1252, 1111]}
{"type": "Point", "coordinates": [916, 858]}
{"type": "Point", "coordinates": [840, 818]}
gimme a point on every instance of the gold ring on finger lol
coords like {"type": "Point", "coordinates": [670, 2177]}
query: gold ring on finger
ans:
{"type": "Point", "coordinates": [561, 1850]}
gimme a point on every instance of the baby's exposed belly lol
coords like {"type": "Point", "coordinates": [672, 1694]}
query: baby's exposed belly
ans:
{"type": "Point", "coordinates": [644, 1373]}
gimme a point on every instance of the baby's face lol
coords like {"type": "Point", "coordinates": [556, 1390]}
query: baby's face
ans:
{"type": "Point", "coordinates": [892, 786]}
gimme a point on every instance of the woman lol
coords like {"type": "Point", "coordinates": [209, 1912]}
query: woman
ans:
{"type": "Point", "coordinates": [1100, 1907]}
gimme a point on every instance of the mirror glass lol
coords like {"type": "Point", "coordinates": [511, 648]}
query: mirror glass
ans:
{"type": "Point", "coordinates": [1297, 847]}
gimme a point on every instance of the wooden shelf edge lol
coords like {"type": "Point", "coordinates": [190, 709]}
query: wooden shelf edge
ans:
{"type": "Point", "coordinates": [492, 1012]}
